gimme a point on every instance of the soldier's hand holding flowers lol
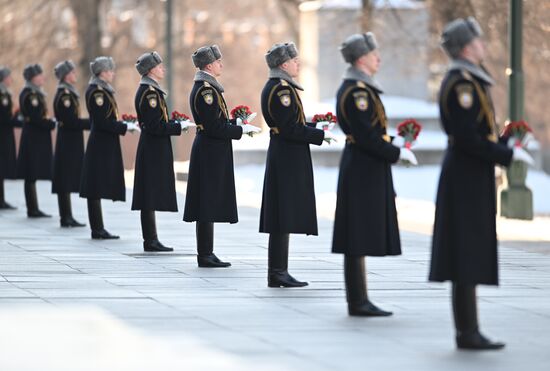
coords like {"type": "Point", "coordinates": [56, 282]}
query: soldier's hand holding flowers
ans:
{"type": "Point", "coordinates": [131, 123]}
{"type": "Point", "coordinates": [407, 133]}
{"type": "Point", "coordinates": [183, 120]}
{"type": "Point", "coordinates": [519, 134]}
{"type": "Point", "coordinates": [326, 122]}
{"type": "Point", "coordinates": [244, 117]}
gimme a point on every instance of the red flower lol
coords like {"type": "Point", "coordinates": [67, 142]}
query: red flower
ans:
{"type": "Point", "coordinates": [180, 116]}
{"type": "Point", "coordinates": [241, 112]}
{"type": "Point", "coordinates": [409, 130]}
{"type": "Point", "coordinates": [517, 130]}
{"type": "Point", "coordinates": [327, 117]}
{"type": "Point", "coordinates": [129, 118]}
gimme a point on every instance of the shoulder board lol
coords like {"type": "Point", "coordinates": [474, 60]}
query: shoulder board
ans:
{"type": "Point", "coordinates": [207, 84]}
{"type": "Point", "coordinates": [361, 84]}
{"type": "Point", "coordinates": [284, 82]}
{"type": "Point", "coordinates": [151, 88]}
{"type": "Point", "coordinates": [466, 75]}
{"type": "Point", "coordinates": [99, 87]}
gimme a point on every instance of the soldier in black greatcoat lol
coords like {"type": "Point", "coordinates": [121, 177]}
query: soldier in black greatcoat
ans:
{"type": "Point", "coordinates": [210, 194]}
{"type": "Point", "coordinates": [69, 146]}
{"type": "Point", "coordinates": [154, 181]}
{"type": "Point", "coordinates": [34, 161]}
{"type": "Point", "coordinates": [8, 120]}
{"type": "Point", "coordinates": [365, 223]}
{"type": "Point", "coordinates": [464, 249]}
{"type": "Point", "coordinates": [288, 202]}
{"type": "Point", "coordinates": [103, 170]}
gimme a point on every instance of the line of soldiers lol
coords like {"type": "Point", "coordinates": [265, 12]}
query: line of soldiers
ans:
{"type": "Point", "coordinates": [464, 241]}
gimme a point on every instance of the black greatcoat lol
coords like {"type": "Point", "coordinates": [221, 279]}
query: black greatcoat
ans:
{"type": "Point", "coordinates": [69, 146]}
{"type": "Point", "coordinates": [154, 181]}
{"type": "Point", "coordinates": [103, 170]}
{"type": "Point", "coordinates": [7, 138]}
{"type": "Point", "coordinates": [288, 202]}
{"type": "Point", "coordinates": [464, 246]}
{"type": "Point", "coordinates": [35, 149]}
{"type": "Point", "coordinates": [211, 183]}
{"type": "Point", "coordinates": [365, 223]}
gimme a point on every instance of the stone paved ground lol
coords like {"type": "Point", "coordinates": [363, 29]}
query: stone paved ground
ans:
{"type": "Point", "coordinates": [52, 278]}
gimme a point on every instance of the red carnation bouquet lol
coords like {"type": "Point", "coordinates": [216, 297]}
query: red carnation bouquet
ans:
{"type": "Point", "coordinates": [409, 130]}
{"type": "Point", "coordinates": [183, 120]}
{"type": "Point", "coordinates": [129, 118]}
{"type": "Point", "coordinates": [518, 131]}
{"type": "Point", "coordinates": [242, 112]}
{"type": "Point", "coordinates": [325, 121]}
{"type": "Point", "coordinates": [178, 116]}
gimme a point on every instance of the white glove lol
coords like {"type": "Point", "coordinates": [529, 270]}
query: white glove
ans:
{"type": "Point", "coordinates": [398, 141]}
{"type": "Point", "coordinates": [522, 155]}
{"type": "Point", "coordinates": [185, 125]}
{"type": "Point", "coordinates": [250, 129]}
{"type": "Point", "coordinates": [322, 124]}
{"type": "Point", "coordinates": [329, 137]}
{"type": "Point", "coordinates": [251, 117]}
{"type": "Point", "coordinates": [133, 127]}
{"type": "Point", "coordinates": [407, 156]}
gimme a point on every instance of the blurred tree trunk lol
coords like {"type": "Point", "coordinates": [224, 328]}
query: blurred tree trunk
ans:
{"type": "Point", "coordinates": [87, 15]}
{"type": "Point", "coordinates": [366, 15]}
{"type": "Point", "coordinates": [291, 12]}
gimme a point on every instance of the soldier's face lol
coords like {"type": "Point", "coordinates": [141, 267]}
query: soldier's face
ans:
{"type": "Point", "coordinates": [216, 68]}
{"type": "Point", "coordinates": [108, 76]}
{"type": "Point", "coordinates": [158, 72]}
{"type": "Point", "coordinates": [38, 80]}
{"type": "Point", "coordinates": [372, 61]}
{"type": "Point", "coordinates": [477, 49]}
{"type": "Point", "coordinates": [71, 77]}
{"type": "Point", "coordinates": [292, 67]}
{"type": "Point", "coordinates": [7, 80]}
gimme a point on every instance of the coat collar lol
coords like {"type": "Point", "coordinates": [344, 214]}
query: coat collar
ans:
{"type": "Point", "coordinates": [353, 73]}
{"type": "Point", "coordinates": [146, 80]}
{"type": "Point", "coordinates": [205, 76]}
{"type": "Point", "coordinates": [277, 73]}
{"type": "Point", "coordinates": [478, 71]}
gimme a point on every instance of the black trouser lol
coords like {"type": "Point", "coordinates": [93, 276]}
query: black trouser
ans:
{"type": "Point", "coordinates": [148, 225]}
{"type": "Point", "coordinates": [356, 279]}
{"type": "Point", "coordinates": [205, 238]}
{"type": "Point", "coordinates": [277, 252]}
{"type": "Point", "coordinates": [464, 307]}
{"type": "Point", "coordinates": [31, 198]}
{"type": "Point", "coordinates": [95, 215]}
{"type": "Point", "coordinates": [64, 203]}
{"type": "Point", "coordinates": [2, 196]}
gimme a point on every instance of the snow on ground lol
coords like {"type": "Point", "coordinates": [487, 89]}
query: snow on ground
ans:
{"type": "Point", "coordinates": [416, 189]}
{"type": "Point", "coordinates": [413, 183]}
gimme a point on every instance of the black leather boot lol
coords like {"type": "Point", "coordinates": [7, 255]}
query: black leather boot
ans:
{"type": "Point", "coordinates": [356, 289]}
{"type": "Point", "coordinates": [95, 217]}
{"type": "Point", "coordinates": [3, 204]}
{"type": "Point", "coordinates": [32, 201]}
{"type": "Point", "coordinates": [277, 263]}
{"type": "Point", "coordinates": [149, 232]}
{"type": "Point", "coordinates": [205, 247]}
{"type": "Point", "coordinates": [65, 211]}
{"type": "Point", "coordinates": [468, 335]}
